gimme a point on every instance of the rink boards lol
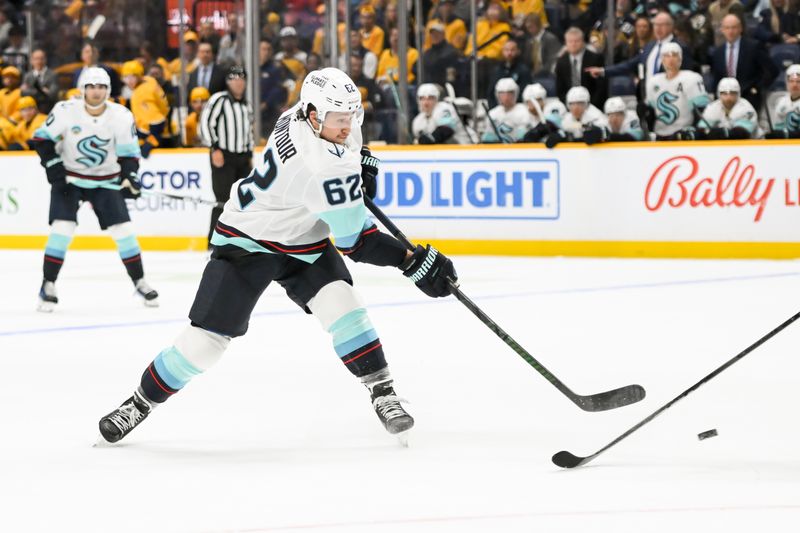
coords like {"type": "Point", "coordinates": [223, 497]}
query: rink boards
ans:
{"type": "Point", "coordinates": [715, 199]}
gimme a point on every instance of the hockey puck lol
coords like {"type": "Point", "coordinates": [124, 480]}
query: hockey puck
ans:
{"type": "Point", "coordinates": [707, 434]}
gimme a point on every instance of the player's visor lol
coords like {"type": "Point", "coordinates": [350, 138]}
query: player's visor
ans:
{"type": "Point", "coordinates": [95, 85]}
{"type": "Point", "coordinates": [342, 119]}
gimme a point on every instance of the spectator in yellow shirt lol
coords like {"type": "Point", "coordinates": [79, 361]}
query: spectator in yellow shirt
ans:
{"type": "Point", "coordinates": [455, 31]}
{"type": "Point", "coordinates": [197, 99]}
{"type": "Point", "coordinates": [371, 35]}
{"type": "Point", "coordinates": [522, 8]}
{"type": "Point", "coordinates": [390, 61]}
{"type": "Point", "coordinates": [148, 105]}
{"type": "Point", "coordinates": [190, 41]}
{"type": "Point", "coordinates": [10, 94]}
{"type": "Point", "coordinates": [487, 28]}
{"type": "Point", "coordinates": [30, 120]}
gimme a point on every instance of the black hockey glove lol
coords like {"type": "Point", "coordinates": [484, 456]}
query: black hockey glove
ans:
{"type": "Point", "coordinates": [686, 134]}
{"type": "Point", "coordinates": [51, 161]}
{"type": "Point", "coordinates": [593, 135]}
{"type": "Point", "coordinates": [369, 172]}
{"type": "Point", "coordinates": [777, 134]}
{"type": "Point", "coordinates": [430, 270]}
{"type": "Point", "coordinates": [554, 138]}
{"type": "Point", "coordinates": [130, 186]}
{"type": "Point", "coordinates": [536, 134]}
{"type": "Point", "coordinates": [426, 138]}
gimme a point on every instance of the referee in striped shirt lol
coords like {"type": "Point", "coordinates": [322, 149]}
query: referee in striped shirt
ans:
{"type": "Point", "coordinates": [226, 125]}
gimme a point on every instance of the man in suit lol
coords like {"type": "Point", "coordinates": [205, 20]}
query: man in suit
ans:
{"type": "Point", "coordinates": [207, 74]}
{"type": "Point", "coordinates": [650, 57]}
{"type": "Point", "coordinates": [41, 82]}
{"type": "Point", "coordinates": [744, 59]}
{"type": "Point", "coordinates": [541, 46]}
{"type": "Point", "coordinates": [572, 69]}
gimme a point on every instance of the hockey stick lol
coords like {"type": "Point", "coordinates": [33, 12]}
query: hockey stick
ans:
{"type": "Point", "coordinates": [193, 199]}
{"type": "Point", "coordinates": [565, 459]}
{"type": "Point", "coordinates": [595, 402]}
{"type": "Point", "coordinates": [494, 126]}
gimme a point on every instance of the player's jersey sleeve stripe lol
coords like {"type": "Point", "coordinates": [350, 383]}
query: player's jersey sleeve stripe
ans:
{"type": "Point", "coordinates": [128, 150]}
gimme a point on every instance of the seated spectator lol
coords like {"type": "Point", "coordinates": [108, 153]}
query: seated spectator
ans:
{"type": "Point", "coordinates": [369, 61]}
{"type": "Point", "coordinates": [370, 95]}
{"type": "Point", "coordinates": [786, 115]}
{"type": "Point", "coordinates": [676, 97]}
{"type": "Point", "coordinates": [90, 57]}
{"type": "Point", "coordinates": [511, 67]}
{"type": "Point", "coordinates": [539, 46]}
{"type": "Point", "coordinates": [148, 105]}
{"type": "Point", "coordinates": [744, 59]}
{"type": "Point", "coordinates": [778, 24]}
{"type": "Point", "coordinates": [509, 121]}
{"type": "Point", "coordinates": [729, 116]}
{"type": "Point", "coordinates": [623, 124]}
{"type": "Point", "coordinates": [289, 46]}
{"type": "Point", "coordinates": [487, 28]}
{"type": "Point", "coordinates": [717, 11]}
{"type": "Point", "coordinates": [455, 31]}
{"type": "Point", "coordinates": [545, 118]}
{"type": "Point", "coordinates": [573, 68]}
{"type": "Point", "coordinates": [207, 74]}
{"type": "Point", "coordinates": [582, 117]}
{"type": "Point", "coordinates": [272, 86]}
{"type": "Point", "coordinates": [441, 60]}
{"type": "Point", "coordinates": [189, 51]}
{"type": "Point", "coordinates": [389, 62]}
{"type": "Point", "coordinates": [231, 45]}
{"type": "Point", "coordinates": [372, 36]}
{"type": "Point", "coordinates": [30, 120]}
{"type": "Point", "coordinates": [197, 100]}
{"type": "Point", "coordinates": [16, 53]}
{"type": "Point", "coordinates": [40, 82]}
{"type": "Point", "coordinates": [438, 122]}
{"type": "Point", "coordinates": [148, 58]}
{"type": "Point", "coordinates": [10, 94]}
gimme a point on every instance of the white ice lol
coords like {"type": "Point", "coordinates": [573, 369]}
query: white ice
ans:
{"type": "Point", "coordinates": [280, 437]}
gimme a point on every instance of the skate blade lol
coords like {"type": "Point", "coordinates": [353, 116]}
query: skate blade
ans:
{"type": "Point", "coordinates": [151, 303]}
{"type": "Point", "coordinates": [101, 442]}
{"type": "Point", "coordinates": [45, 307]}
{"type": "Point", "coordinates": [402, 438]}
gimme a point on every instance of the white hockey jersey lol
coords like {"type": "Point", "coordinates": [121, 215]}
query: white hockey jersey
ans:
{"type": "Point", "coordinates": [787, 114]}
{"type": "Point", "coordinates": [89, 146]}
{"type": "Point", "coordinates": [591, 117]}
{"type": "Point", "coordinates": [512, 124]}
{"type": "Point", "coordinates": [443, 114]}
{"type": "Point", "coordinates": [742, 115]}
{"type": "Point", "coordinates": [302, 190]}
{"type": "Point", "coordinates": [630, 126]}
{"type": "Point", "coordinates": [675, 100]}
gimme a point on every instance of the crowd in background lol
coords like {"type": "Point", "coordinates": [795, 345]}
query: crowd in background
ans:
{"type": "Point", "coordinates": [542, 69]}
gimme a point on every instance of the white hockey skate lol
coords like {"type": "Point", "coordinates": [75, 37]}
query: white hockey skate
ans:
{"type": "Point", "coordinates": [47, 297]}
{"type": "Point", "coordinates": [147, 292]}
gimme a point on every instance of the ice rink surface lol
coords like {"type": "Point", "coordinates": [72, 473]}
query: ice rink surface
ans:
{"type": "Point", "coordinates": [280, 437]}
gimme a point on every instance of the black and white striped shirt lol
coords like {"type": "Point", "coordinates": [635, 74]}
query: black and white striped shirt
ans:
{"type": "Point", "coordinates": [227, 124]}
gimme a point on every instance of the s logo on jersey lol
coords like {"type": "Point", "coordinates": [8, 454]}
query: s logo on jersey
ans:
{"type": "Point", "coordinates": [92, 149]}
{"type": "Point", "coordinates": [793, 121]}
{"type": "Point", "coordinates": [667, 113]}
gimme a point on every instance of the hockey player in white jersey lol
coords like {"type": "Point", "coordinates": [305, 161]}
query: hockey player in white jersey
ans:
{"type": "Point", "coordinates": [545, 117]}
{"type": "Point", "coordinates": [677, 97]}
{"type": "Point", "coordinates": [308, 184]}
{"type": "Point", "coordinates": [730, 116]}
{"type": "Point", "coordinates": [623, 124]}
{"type": "Point", "coordinates": [437, 122]}
{"type": "Point", "coordinates": [509, 121]}
{"type": "Point", "coordinates": [582, 116]}
{"type": "Point", "coordinates": [786, 116]}
{"type": "Point", "coordinates": [90, 153]}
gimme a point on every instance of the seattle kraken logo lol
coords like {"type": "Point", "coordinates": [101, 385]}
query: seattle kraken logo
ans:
{"type": "Point", "coordinates": [667, 113]}
{"type": "Point", "coordinates": [92, 149]}
{"type": "Point", "coordinates": [793, 121]}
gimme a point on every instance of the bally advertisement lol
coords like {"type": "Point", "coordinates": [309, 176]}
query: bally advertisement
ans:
{"type": "Point", "coordinates": [716, 199]}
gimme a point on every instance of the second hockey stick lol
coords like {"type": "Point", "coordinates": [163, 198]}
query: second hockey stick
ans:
{"type": "Point", "coordinates": [565, 459]}
{"type": "Point", "coordinates": [602, 401]}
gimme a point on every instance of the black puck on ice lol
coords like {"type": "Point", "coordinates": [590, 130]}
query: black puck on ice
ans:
{"type": "Point", "coordinates": [707, 434]}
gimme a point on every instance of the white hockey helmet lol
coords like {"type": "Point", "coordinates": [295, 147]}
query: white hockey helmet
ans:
{"type": "Point", "coordinates": [93, 76]}
{"type": "Point", "coordinates": [728, 85]}
{"type": "Point", "coordinates": [427, 90]}
{"type": "Point", "coordinates": [615, 104]}
{"type": "Point", "coordinates": [534, 91]}
{"type": "Point", "coordinates": [506, 85]}
{"type": "Point", "coordinates": [334, 96]}
{"type": "Point", "coordinates": [578, 95]}
{"type": "Point", "coordinates": [672, 48]}
{"type": "Point", "coordinates": [464, 106]}
{"type": "Point", "coordinates": [793, 71]}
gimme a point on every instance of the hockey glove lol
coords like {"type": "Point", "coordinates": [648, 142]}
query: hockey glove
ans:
{"type": "Point", "coordinates": [536, 134]}
{"type": "Point", "coordinates": [426, 138]}
{"type": "Point", "coordinates": [686, 134]}
{"type": "Point", "coordinates": [430, 271]}
{"type": "Point", "coordinates": [369, 172]}
{"type": "Point", "coordinates": [146, 148]}
{"type": "Point", "coordinates": [130, 186]}
{"type": "Point", "coordinates": [554, 138]}
{"type": "Point", "coordinates": [593, 135]}
{"type": "Point", "coordinates": [56, 173]}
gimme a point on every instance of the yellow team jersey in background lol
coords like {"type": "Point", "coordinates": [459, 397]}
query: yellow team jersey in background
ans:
{"type": "Point", "coordinates": [148, 104]}
{"type": "Point", "coordinates": [485, 31]}
{"type": "Point", "coordinates": [390, 60]}
{"type": "Point", "coordinates": [8, 104]}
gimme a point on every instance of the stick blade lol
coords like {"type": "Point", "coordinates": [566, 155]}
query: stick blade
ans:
{"type": "Point", "coordinates": [612, 399]}
{"type": "Point", "coordinates": [564, 459]}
